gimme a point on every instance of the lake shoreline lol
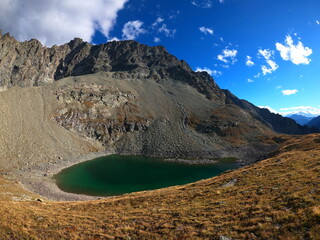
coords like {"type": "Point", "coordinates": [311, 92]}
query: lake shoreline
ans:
{"type": "Point", "coordinates": [39, 179]}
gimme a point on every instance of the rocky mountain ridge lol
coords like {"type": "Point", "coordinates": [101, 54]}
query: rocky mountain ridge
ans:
{"type": "Point", "coordinates": [124, 93]}
{"type": "Point", "coordinates": [31, 64]}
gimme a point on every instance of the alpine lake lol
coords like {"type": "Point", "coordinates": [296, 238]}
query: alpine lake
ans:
{"type": "Point", "coordinates": [116, 174]}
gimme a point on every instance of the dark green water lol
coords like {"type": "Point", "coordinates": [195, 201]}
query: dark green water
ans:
{"type": "Point", "coordinates": [115, 175]}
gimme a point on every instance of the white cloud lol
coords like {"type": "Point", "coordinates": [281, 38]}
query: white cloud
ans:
{"type": "Point", "coordinates": [269, 108]}
{"type": "Point", "coordinates": [250, 80]}
{"type": "Point", "coordinates": [209, 71]}
{"type": "Point", "coordinates": [301, 110]}
{"type": "Point", "coordinates": [156, 40]}
{"type": "Point", "coordinates": [161, 27]}
{"type": "Point", "coordinates": [206, 30]}
{"type": "Point", "coordinates": [157, 22]}
{"type": "Point", "coordinates": [289, 92]}
{"type": "Point", "coordinates": [202, 3]}
{"type": "Point", "coordinates": [257, 75]}
{"type": "Point", "coordinates": [249, 61]}
{"type": "Point", "coordinates": [216, 73]}
{"type": "Point", "coordinates": [271, 64]}
{"type": "Point", "coordinates": [57, 22]}
{"type": "Point", "coordinates": [278, 87]}
{"type": "Point", "coordinates": [166, 31]}
{"type": "Point", "coordinates": [318, 22]}
{"type": "Point", "coordinates": [113, 39]}
{"type": "Point", "coordinates": [132, 29]}
{"type": "Point", "coordinates": [297, 54]}
{"type": "Point", "coordinates": [228, 55]}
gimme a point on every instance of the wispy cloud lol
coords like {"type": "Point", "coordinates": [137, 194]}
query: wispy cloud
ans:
{"type": "Point", "coordinates": [271, 64]}
{"type": "Point", "coordinates": [297, 54]}
{"type": "Point", "coordinates": [156, 40]}
{"type": "Point", "coordinates": [132, 29]}
{"type": "Point", "coordinates": [206, 30]}
{"type": "Point", "coordinates": [228, 56]}
{"type": "Point", "coordinates": [202, 3]}
{"type": "Point", "coordinates": [157, 22]}
{"type": "Point", "coordinates": [166, 31]}
{"type": "Point", "coordinates": [249, 61]}
{"type": "Point", "coordinates": [302, 110]}
{"type": "Point", "coordinates": [250, 80]}
{"type": "Point", "coordinates": [209, 71]}
{"type": "Point", "coordinates": [289, 92]}
{"type": "Point", "coordinates": [269, 108]}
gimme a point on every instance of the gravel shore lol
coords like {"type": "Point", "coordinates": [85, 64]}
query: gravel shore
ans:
{"type": "Point", "coordinates": [39, 179]}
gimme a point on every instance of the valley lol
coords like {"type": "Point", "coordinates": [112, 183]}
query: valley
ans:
{"type": "Point", "coordinates": [67, 104]}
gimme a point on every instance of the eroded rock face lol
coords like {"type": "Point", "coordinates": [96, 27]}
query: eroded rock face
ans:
{"type": "Point", "coordinates": [97, 112]}
{"type": "Point", "coordinates": [31, 64]}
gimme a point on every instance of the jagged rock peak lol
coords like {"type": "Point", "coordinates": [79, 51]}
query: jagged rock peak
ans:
{"type": "Point", "coordinates": [31, 64]}
{"type": "Point", "coordinates": [75, 43]}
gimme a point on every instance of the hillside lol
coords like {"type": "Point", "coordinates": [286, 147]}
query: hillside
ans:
{"type": "Point", "coordinates": [314, 122]}
{"type": "Point", "coordinates": [277, 198]}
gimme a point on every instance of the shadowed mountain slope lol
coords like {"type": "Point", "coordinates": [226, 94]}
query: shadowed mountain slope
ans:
{"type": "Point", "coordinates": [315, 122]}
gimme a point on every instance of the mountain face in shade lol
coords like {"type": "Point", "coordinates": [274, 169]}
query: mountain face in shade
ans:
{"type": "Point", "coordinates": [136, 99]}
{"type": "Point", "coordinates": [315, 122]}
{"type": "Point", "coordinates": [300, 119]}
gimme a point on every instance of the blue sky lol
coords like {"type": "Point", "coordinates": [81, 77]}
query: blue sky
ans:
{"type": "Point", "coordinates": [264, 51]}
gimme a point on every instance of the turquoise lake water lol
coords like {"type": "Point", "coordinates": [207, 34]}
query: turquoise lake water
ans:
{"type": "Point", "coordinates": [115, 174]}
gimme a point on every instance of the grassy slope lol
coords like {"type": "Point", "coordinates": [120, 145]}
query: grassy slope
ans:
{"type": "Point", "coordinates": [277, 198]}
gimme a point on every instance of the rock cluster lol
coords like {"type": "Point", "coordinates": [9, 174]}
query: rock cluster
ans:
{"type": "Point", "coordinates": [97, 112]}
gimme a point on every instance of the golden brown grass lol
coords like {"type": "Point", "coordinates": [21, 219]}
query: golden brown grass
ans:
{"type": "Point", "coordinates": [278, 198]}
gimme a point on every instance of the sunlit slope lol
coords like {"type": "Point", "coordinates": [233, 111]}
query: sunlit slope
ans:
{"type": "Point", "coordinates": [277, 198]}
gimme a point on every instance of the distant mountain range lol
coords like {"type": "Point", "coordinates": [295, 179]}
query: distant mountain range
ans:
{"type": "Point", "coordinates": [300, 119]}
{"type": "Point", "coordinates": [315, 122]}
{"type": "Point", "coordinates": [310, 121]}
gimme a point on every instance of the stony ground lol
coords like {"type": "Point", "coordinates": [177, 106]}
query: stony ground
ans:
{"type": "Point", "coordinates": [277, 198]}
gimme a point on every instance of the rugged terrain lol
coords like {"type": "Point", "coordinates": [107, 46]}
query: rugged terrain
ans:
{"type": "Point", "coordinates": [68, 103]}
{"type": "Point", "coordinates": [277, 198]}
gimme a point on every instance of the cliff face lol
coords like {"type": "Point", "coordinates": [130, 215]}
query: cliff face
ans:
{"type": "Point", "coordinates": [31, 64]}
{"type": "Point", "coordinates": [138, 99]}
